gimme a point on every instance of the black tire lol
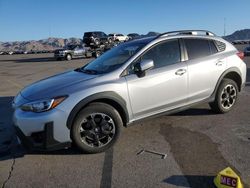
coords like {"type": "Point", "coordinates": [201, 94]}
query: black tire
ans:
{"type": "Point", "coordinates": [226, 96]}
{"type": "Point", "coordinates": [110, 41]}
{"type": "Point", "coordinates": [97, 54]}
{"type": "Point", "coordinates": [96, 128]}
{"type": "Point", "coordinates": [97, 42]}
{"type": "Point", "coordinates": [68, 57]}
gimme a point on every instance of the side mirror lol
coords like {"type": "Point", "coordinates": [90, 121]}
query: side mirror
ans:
{"type": "Point", "coordinates": [143, 66]}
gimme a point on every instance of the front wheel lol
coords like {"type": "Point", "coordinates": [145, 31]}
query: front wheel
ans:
{"type": "Point", "coordinates": [96, 54]}
{"type": "Point", "coordinates": [68, 57]}
{"type": "Point", "coordinates": [96, 128]}
{"type": "Point", "coordinates": [226, 96]}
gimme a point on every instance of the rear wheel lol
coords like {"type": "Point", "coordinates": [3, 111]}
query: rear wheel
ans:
{"type": "Point", "coordinates": [110, 41]}
{"type": "Point", "coordinates": [226, 96]}
{"type": "Point", "coordinates": [96, 128]}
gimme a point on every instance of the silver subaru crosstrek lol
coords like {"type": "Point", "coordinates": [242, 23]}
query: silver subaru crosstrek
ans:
{"type": "Point", "coordinates": [90, 105]}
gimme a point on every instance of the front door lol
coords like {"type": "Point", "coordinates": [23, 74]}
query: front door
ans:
{"type": "Point", "coordinates": [162, 88]}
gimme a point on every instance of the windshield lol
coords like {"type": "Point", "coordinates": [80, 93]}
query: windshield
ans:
{"type": "Point", "coordinates": [88, 34]}
{"type": "Point", "coordinates": [114, 58]}
{"type": "Point", "coordinates": [70, 47]}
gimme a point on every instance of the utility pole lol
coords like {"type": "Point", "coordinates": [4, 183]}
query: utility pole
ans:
{"type": "Point", "coordinates": [225, 27]}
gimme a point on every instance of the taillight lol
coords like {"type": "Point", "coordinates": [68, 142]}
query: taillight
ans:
{"type": "Point", "coordinates": [241, 55]}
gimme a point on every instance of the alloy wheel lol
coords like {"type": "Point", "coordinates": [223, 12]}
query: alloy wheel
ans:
{"type": "Point", "coordinates": [228, 96]}
{"type": "Point", "coordinates": [97, 130]}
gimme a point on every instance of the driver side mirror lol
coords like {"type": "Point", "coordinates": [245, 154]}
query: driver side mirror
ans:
{"type": "Point", "coordinates": [144, 65]}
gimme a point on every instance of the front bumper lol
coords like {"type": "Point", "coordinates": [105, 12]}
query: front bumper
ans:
{"type": "Point", "coordinates": [42, 131]}
{"type": "Point", "coordinates": [42, 140]}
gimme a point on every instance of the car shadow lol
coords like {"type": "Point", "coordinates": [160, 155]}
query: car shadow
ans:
{"type": "Point", "coordinates": [194, 112]}
{"type": "Point", "coordinates": [248, 76]}
{"type": "Point", "coordinates": [35, 60]}
{"type": "Point", "coordinates": [31, 60]}
{"type": "Point", "coordinates": [194, 181]}
{"type": "Point", "coordinates": [7, 133]}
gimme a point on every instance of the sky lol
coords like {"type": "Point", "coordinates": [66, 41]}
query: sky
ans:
{"type": "Point", "coordinates": [40, 19]}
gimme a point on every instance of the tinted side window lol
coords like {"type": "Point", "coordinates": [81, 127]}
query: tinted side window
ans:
{"type": "Point", "coordinates": [197, 48]}
{"type": "Point", "coordinates": [164, 54]}
{"type": "Point", "coordinates": [103, 34]}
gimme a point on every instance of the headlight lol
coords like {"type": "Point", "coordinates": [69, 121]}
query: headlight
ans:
{"type": "Point", "coordinates": [42, 105]}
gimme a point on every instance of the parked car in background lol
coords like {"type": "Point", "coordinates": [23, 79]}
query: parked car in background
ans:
{"type": "Point", "coordinates": [95, 38]}
{"type": "Point", "coordinates": [133, 36]}
{"type": "Point", "coordinates": [72, 51]}
{"type": "Point", "coordinates": [19, 52]}
{"type": "Point", "coordinates": [247, 51]}
{"type": "Point", "coordinates": [117, 37]}
{"type": "Point", "coordinates": [3, 53]}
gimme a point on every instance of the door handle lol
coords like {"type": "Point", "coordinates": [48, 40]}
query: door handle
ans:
{"type": "Point", "coordinates": [180, 72]}
{"type": "Point", "coordinates": [219, 63]}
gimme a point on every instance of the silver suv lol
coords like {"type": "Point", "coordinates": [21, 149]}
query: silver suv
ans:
{"type": "Point", "coordinates": [90, 105]}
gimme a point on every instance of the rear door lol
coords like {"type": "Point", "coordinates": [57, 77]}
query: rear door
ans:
{"type": "Point", "coordinates": [205, 65]}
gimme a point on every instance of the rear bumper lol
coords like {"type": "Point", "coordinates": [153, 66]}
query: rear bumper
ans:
{"type": "Point", "coordinates": [42, 140]}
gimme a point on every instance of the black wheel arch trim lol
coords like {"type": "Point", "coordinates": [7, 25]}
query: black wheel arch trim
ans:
{"type": "Point", "coordinates": [230, 70]}
{"type": "Point", "coordinates": [99, 97]}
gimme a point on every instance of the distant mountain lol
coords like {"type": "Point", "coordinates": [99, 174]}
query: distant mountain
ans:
{"type": "Point", "coordinates": [40, 45]}
{"type": "Point", "coordinates": [239, 35]}
{"type": "Point", "coordinates": [150, 34]}
{"type": "Point", "coordinates": [55, 43]}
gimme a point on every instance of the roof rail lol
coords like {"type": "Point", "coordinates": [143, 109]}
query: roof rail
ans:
{"type": "Point", "coordinates": [187, 32]}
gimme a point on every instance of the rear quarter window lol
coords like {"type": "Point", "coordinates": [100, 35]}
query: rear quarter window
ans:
{"type": "Point", "coordinates": [221, 46]}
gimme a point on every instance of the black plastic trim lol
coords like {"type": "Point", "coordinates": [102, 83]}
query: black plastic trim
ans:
{"type": "Point", "coordinates": [232, 69]}
{"type": "Point", "coordinates": [48, 142]}
{"type": "Point", "coordinates": [109, 95]}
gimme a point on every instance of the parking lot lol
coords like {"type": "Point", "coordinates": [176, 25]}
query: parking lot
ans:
{"type": "Point", "coordinates": [198, 143]}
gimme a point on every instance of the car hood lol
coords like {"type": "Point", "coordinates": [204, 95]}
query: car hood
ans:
{"type": "Point", "coordinates": [55, 85]}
